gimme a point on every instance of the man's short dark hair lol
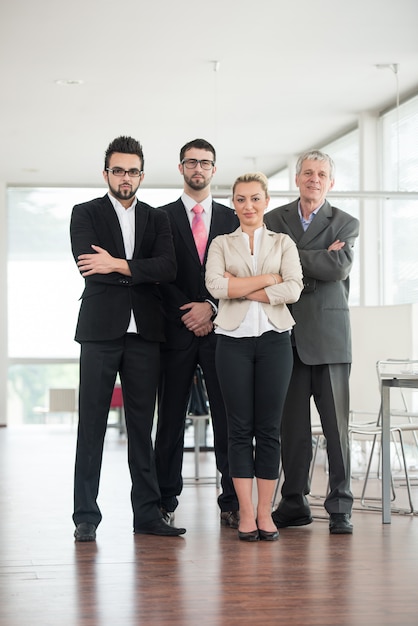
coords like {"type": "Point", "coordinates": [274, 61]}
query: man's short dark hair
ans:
{"type": "Point", "coordinates": [126, 145]}
{"type": "Point", "coordinates": [200, 144]}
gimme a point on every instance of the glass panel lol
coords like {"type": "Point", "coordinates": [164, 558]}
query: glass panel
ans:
{"type": "Point", "coordinates": [28, 386]}
{"type": "Point", "coordinates": [40, 258]}
{"type": "Point", "coordinates": [400, 265]}
{"type": "Point", "coordinates": [400, 217]}
{"type": "Point", "coordinates": [42, 272]}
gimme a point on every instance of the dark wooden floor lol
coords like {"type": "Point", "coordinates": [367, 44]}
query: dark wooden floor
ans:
{"type": "Point", "coordinates": [206, 577]}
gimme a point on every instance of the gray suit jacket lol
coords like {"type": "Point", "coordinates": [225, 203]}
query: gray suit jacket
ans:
{"type": "Point", "coordinates": [322, 332]}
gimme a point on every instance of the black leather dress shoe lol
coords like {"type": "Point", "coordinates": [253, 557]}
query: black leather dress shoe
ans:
{"type": "Point", "coordinates": [85, 532]}
{"type": "Point", "coordinates": [230, 518]}
{"type": "Point", "coordinates": [159, 527]}
{"type": "Point", "coordinates": [266, 535]}
{"type": "Point", "coordinates": [282, 521]}
{"type": "Point", "coordinates": [339, 524]}
{"type": "Point", "coordinates": [251, 536]}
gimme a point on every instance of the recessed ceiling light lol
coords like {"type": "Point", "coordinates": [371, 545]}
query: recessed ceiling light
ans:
{"type": "Point", "coordinates": [68, 82]}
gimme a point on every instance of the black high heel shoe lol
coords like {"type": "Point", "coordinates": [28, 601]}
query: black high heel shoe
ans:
{"type": "Point", "coordinates": [251, 536]}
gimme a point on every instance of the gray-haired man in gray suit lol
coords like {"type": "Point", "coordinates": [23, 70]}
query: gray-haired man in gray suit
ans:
{"type": "Point", "coordinates": [324, 236]}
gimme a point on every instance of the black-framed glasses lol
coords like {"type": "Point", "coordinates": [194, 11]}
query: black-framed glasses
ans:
{"type": "Point", "coordinates": [134, 172]}
{"type": "Point", "coordinates": [205, 164]}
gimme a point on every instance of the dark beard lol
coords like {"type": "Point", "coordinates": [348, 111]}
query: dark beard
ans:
{"type": "Point", "coordinates": [125, 194]}
{"type": "Point", "coordinates": [197, 185]}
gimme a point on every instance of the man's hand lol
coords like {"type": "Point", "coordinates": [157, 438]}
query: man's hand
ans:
{"type": "Point", "coordinates": [204, 330]}
{"type": "Point", "coordinates": [197, 318]}
{"type": "Point", "coordinates": [101, 263]}
{"type": "Point", "coordinates": [337, 245]}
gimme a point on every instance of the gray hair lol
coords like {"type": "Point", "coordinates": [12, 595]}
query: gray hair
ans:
{"type": "Point", "coordinates": [316, 155]}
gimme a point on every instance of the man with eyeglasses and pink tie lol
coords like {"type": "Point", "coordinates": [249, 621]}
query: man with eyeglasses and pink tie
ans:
{"type": "Point", "coordinates": [189, 309]}
{"type": "Point", "coordinates": [123, 249]}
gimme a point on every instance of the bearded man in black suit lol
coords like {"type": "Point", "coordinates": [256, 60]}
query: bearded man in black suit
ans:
{"type": "Point", "coordinates": [123, 249]}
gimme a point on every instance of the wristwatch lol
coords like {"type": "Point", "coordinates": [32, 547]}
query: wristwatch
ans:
{"type": "Point", "coordinates": [214, 308]}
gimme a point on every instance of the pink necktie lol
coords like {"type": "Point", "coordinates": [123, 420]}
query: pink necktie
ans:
{"type": "Point", "coordinates": [199, 231]}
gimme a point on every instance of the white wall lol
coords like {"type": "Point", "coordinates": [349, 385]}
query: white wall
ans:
{"type": "Point", "coordinates": [379, 333]}
{"type": "Point", "coordinates": [3, 305]}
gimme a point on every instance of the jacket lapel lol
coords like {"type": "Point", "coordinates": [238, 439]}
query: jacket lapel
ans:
{"type": "Point", "coordinates": [267, 243]}
{"type": "Point", "coordinates": [112, 220]}
{"type": "Point", "coordinates": [318, 224]}
{"type": "Point", "coordinates": [179, 215]}
{"type": "Point", "coordinates": [292, 219]}
{"type": "Point", "coordinates": [240, 248]}
{"type": "Point", "coordinates": [141, 218]}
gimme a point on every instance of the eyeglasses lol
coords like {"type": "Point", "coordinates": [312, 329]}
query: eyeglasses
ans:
{"type": "Point", "coordinates": [205, 164]}
{"type": "Point", "coordinates": [119, 171]}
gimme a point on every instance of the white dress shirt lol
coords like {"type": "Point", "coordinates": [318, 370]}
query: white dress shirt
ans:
{"type": "Point", "coordinates": [126, 219]}
{"type": "Point", "coordinates": [206, 214]}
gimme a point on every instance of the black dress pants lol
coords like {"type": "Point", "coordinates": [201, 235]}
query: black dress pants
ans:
{"type": "Point", "coordinates": [177, 371]}
{"type": "Point", "coordinates": [254, 373]}
{"type": "Point", "coordinates": [137, 362]}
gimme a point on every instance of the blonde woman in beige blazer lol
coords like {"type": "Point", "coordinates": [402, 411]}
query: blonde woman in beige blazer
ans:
{"type": "Point", "coordinates": [254, 273]}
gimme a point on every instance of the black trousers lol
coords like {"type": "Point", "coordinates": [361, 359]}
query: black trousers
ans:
{"type": "Point", "coordinates": [329, 387]}
{"type": "Point", "coordinates": [137, 362]}
{"type": "Point", "coordinates": [254, 373]}
{"type": "Point", "coordinates": [177, 371]}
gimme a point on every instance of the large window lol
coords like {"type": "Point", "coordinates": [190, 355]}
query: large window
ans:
{"type": "Point", "coordinates": [400, 216]}
{"type": "Point", "coordinates": [44, 288]}
{"type": "Point", "coordinates": [43, 282]}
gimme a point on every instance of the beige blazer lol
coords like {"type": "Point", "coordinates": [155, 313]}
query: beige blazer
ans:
{"type": "Point", "coordinates": [278, 254]}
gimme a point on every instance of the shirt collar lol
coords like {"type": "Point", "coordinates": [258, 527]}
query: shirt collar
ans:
{"type": "Point", "coordinates": [313, 212]}
{"type": "Point", "coordinates": [118, 206]}
{"type": "Point", "coordinates": [189, 202]}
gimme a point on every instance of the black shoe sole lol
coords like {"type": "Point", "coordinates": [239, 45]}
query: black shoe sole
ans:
{"type": "Point", "coordinates": [298, 521]}
{"type": "Point", "coordinates": [251, 536]}
{"type": "Point", "coordinates": [341, 531]}
{"type": "Point", "coordinates": [84, 538]}
{"type": "Point", "coordinates": [175, 533]}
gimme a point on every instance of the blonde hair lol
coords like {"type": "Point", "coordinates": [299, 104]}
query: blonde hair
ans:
{"type": "Point", "coordinates": [252, 177]}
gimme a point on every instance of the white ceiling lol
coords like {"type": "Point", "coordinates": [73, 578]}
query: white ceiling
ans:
{"type": "Point", "coordinates": [291, 76]}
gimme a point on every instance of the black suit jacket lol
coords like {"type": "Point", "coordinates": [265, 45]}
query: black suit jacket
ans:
{"type": "Point", "coordinates": [189, 285]}
{"type": "Point", "coordinates": [108, 299]}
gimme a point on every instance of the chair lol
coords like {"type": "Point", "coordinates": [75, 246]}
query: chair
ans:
{"type": "Point", "coordinates": [403, 420]}
{"type": "Point", "coordinates": [198, 413]}
{"type": "Point", "coordinates": [63, 401]}
{"type": "Point", "coordinates": [116, 404]}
